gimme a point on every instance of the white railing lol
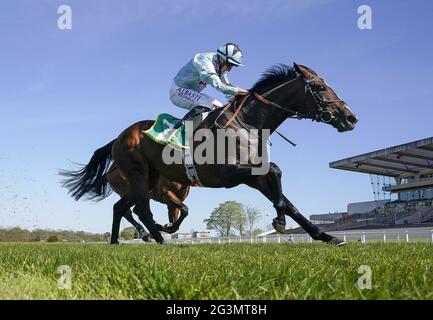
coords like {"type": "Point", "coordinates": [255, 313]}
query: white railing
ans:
{"type": "Point", "coordinates": [362, 236]}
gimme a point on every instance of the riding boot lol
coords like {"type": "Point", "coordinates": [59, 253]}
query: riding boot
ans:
{"type": "Point", "coordinates": [191, 114]}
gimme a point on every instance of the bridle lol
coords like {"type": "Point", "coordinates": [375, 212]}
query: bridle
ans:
{"type": "Point", "coordinates": [321, 114]}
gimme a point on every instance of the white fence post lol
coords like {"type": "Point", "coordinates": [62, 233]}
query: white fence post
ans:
{"type": "Point", "coordinates": [363, 237]}
{"type": "Point", "coordinates": [398, 237]}
{"type": "Point", "coordinates": [264, 239]}
{"type": "Point", "coordinates": [407, 236]}
{"type": "Point", "coordinates": [251, 239]}
{"type": "Point", "coordinates": [344, 237]}
{"type": "Point", "coordinates": [279, 239]}
{"type": "Point", "coordinates": [432, 236]}
{"type": "Point", "coordinates": [384, 237]}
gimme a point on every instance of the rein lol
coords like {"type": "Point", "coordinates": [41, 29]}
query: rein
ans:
{"type": "Point", "coordinates": [321, 115]}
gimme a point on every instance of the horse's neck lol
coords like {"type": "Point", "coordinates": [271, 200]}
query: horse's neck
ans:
{"type": "Point", "coordinates": [259, 115]}
{"type": "Point", "coordinates": [215, 119]}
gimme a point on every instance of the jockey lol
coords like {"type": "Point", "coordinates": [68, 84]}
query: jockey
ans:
{"type": "Point", "coordinates": [206, 68]}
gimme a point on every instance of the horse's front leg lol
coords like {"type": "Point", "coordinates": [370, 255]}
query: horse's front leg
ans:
{"type": "Point", "coordinates": [270, 186]}
{"type": "Point", "coordinates": [309, 227]}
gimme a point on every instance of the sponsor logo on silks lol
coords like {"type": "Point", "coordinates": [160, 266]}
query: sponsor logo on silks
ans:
{"type": "Point", "coordinates": [202, 84]}
{"type": "Point", "coordinates": [188, 94]}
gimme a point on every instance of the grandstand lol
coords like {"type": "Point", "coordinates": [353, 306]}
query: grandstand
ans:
{"type": "Point", "coordinates": [402, 176]}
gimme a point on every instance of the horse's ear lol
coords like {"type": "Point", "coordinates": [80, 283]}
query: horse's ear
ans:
{"type": "Point", "coordinates": [303, 71]}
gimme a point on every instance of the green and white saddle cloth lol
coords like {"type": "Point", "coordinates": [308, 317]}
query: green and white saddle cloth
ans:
{"type": "Point", "coordinates": [168, 130]}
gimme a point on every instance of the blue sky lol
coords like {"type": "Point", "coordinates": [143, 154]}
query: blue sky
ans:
{"type": "Point", "coordinates": [65, 93]}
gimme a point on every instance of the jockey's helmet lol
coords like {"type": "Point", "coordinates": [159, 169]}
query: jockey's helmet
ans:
{"type": "Point", "coordinates": [231, 53]}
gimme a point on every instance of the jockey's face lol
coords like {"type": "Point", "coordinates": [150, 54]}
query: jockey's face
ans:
{"type": "Point", "coordinates": [228, 67]}
{"type": "Point", "coordinates": [225, 67]}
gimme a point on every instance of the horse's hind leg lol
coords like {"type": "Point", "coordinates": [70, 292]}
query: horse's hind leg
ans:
{"type": "Point", "coordinates": [119, 209]}
{"type": "Point", "coordinates": [138, 178]}
{"type": "Point", "coordinates": [174, 205]}
{"type": "Point", "coordinates": [121, 186]}
{"type": "Point", "coordinates": [142, 209]}
{"type": "Point", "coordinates": [142, 234]}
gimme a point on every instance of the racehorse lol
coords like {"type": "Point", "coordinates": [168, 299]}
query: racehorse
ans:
{"type": "Point", "coordinates": [281, 93]}
{"type": "Point", "coordinates": [82, 183]}
{"type": "Point", "coordinates": [165, 191]}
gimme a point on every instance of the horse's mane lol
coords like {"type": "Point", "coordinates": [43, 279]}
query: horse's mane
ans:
{"type": "Point", "coordinates": [274, 76]}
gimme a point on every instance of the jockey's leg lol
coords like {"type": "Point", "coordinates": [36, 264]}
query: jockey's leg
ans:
{"type": "Point", "coordinates": [189, 99]}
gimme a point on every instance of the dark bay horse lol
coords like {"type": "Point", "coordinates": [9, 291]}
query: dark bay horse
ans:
{"type": "Point", "coordinates": [94, 182]}
{"type": "Point", "coordinates": [164, 191]}
{"type": "Point", "coordinates": [282, 92]}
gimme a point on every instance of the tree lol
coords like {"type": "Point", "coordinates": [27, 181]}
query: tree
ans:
{"type": "Point", "coordinates": [240, 222]}
{"type": "Point", "coordinates": [257, 231]}
{"type": "Point", "coordinates": [128, 233]}
{"type": "Point", "coordinates": [226, 217]}
{"type": "Point", "coordinates": [252, 215]}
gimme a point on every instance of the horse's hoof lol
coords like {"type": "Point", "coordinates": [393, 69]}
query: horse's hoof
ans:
{"type": "Point", "coordinates": [279, 227]}
{"type": "Point", "coordinates": [114, 242]}
{"type": "Point", "coordinates": [171, 231]}
{"type": "Point", "coordinates": [159, 227]}
{"type": "Point", "coordinates": [142, 233]}
{"type": "Point", "coordinates": [337, 242]}
{"type": "Point", "coordinates": [167, 228]}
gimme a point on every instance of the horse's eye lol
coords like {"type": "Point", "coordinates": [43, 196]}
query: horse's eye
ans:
{"type": "Point", "coordinates": [322, 88]}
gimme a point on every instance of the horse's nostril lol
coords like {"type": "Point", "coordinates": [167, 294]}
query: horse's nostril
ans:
{"type": "Point", "coordinates": [352, 119]}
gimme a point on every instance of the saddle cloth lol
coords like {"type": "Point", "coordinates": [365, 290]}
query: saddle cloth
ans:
{"type": "Point", "coordinates": [169, 130]}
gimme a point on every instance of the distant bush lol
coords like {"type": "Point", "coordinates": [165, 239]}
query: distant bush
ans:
{"type": "Point", "coordinates": [53, 239]}
{"type": "Point", "coordinates": [17, 234]}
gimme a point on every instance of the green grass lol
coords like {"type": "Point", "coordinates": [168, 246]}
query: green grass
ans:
{"type": "Point", "coordinates": [231, 271]}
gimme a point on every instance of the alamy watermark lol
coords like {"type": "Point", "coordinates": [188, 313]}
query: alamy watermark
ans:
{"type": "Point", "coordinates": [365, 20]}
{"type": "Point", "coordinates": [64, 282]}
{"type": "Point", "coordinates": [364, 281]}
{"type": "Point", "coordinates": [225, 146]}
{"type": "Point", "coordinates": [64, 22]}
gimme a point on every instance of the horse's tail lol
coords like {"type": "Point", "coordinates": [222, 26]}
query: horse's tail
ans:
{"type": "Point", "coordinates": [90, 180]}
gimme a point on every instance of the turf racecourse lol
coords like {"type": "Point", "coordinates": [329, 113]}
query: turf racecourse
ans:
{"type": "Point", "coordinates": [210, 271]}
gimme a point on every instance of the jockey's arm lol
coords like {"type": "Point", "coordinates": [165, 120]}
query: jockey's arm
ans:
{"type": "Point", "coordinates": [228, 90]}
{"type": "Point", "coordinates": [208, 74]}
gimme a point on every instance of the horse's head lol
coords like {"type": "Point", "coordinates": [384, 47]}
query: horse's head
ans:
{"type": "Point", "coordinates": [322, 101]}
